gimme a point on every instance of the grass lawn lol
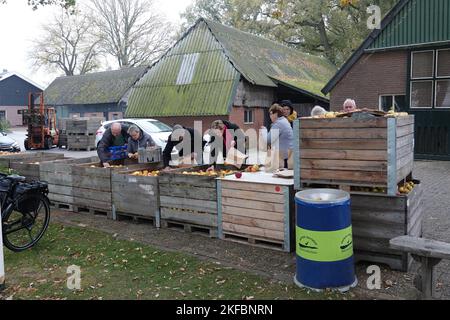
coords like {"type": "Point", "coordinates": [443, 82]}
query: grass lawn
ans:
{"type": "Point", "coordinates": [116, 269]}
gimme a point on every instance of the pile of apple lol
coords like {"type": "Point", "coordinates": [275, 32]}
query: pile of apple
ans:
{"type": "Point", "coordinates": [146, 173]}
{"type": "Point", "coordinates": [6, 153]}
{"type": "Point", "coordinates": [406, 188]}
{"type": "Point", "coordinates": [209, 173]}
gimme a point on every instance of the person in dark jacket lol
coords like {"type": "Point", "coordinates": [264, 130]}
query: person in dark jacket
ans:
{"type": "Point", "coordinates": [115, 136]}
{"type": "Point", "coordinates": [232, 135]}
{"type": "Point", "coordinates": [138, 139]}
{"type": "Point", "coordinates": [176, 140]}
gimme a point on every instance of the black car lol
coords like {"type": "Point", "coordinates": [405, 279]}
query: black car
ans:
{"type": "Point", "coordinates": [8, 144]}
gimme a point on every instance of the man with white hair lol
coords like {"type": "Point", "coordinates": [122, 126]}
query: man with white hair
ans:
{"type": "Point", "coordinates": [349, 105]}
{"type": "Point", "coordinates": [115, 136]}
{"type": "Point", "coordinates": [318, 111]}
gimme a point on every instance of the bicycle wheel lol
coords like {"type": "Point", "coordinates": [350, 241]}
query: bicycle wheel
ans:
{"type": "Point", "coordinates": [25, 224]}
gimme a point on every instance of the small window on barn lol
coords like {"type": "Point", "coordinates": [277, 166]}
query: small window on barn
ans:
{"type": "Point", "coordinates": [248, 116]}
{"type": "Point", "coordinates": [422, 65]}
{"type": "Point", "coordinates": [443, 63]}
{"type": "Point", "coordinates": [187, 69]}
{"type": "Point", "coordinates": [390, 102]}
{"type": "Point", "coordinates": [443, 94]}
{"type": "Point", "coordinates": [422, 94]}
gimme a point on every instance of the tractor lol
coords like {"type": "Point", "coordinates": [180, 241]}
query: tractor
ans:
{"type": "Point", "coordinates": [41, 121]}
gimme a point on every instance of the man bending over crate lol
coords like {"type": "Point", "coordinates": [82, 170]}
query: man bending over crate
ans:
{"type": "Point", "coordinates": [113, 137]}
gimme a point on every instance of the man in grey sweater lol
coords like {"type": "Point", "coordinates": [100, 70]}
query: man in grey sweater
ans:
{"type": "Point", "coordinates": [138, 139]}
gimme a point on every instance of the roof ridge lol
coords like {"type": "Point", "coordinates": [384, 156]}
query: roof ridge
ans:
{"type": "Point", "coordinates": [103, 72]}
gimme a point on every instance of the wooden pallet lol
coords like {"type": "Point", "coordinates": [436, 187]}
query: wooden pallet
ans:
{"type": "Point", "coordinates": [256, 242]}
{"type": "Point", "coordinates": [93, 211]}
{"type": "Point", "coordinates": [345, 151]}
{"type": "Point", "coordinates": [62, 206]}
{"type": "Point", "coordinates": [30, 168]}
{"type": "Point", "coordinates": [203, 230]}
{"type": "Point", "coordinates": [81, 149]}
{"type": "Point", "coordinates": [120, 216]}
{"type": "Point", "coordinates": [378, 218]}
{"type": "Point", "coordinates": [83, 125]}
{"type": "Point", "coordinates": [81, 142]}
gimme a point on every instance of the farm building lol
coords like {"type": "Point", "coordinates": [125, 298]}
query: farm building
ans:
{"type": "Point", "coordinates": [217, 72]}
{"type": "Point", "coordinates": [405, 64]}
{"type": "Point", "coordinates": [101, 94]}
{"type": "Point", "coordinates": [14, 92]}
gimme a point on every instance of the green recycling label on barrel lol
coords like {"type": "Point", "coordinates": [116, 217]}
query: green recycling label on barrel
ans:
{"type": "Point", "coordinates": [324, 246]}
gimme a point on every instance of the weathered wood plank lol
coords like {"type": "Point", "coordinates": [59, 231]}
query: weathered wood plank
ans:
{"type": "Point", "coordinates": [189, 204]}
{"type": "Point", "coordinates": [346, 133]}
{"type": "Point", "coordinates": [189, 192]}
{"type": "Point", "coordinates": [405, 130]}
{"type": "Point", "coordinates": [341, 144]}
{"type": "Point", "coordinates": [189, 217]}
{"type": "Point", "coordinates": [253, 213]}
{"type": "Point", "coordinates": [250, 195]}
{"type": "Point", "coordinates": [365, 155]}
{"type": "Point", "coordinates": [270, 234]}
{"type": "Point", "coordinates": [256, 205]}
{"type": "Point", "coordinates": [257, 187]}
{"type": "Point", "coordinates": [343, 165]}
{"type": "Point", "coordinates": [377, 230]}
{"type": "Point", "coordinates": [422, 247]}
{"type": "Point", "coordinates": [342, 177]}
{"type": "Point", "coordinates": [344, 123]}
{"type": "Point", "coordinates": [251, 222]}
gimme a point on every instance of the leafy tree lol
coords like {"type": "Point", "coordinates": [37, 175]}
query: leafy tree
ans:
{"type": "Point", "coordinates": [332, 28]}
{"type": "Point", "coordinates": [36, 3]}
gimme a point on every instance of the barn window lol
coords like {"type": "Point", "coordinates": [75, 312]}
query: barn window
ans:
{"type": "Point", "coordinates": [248, 116]}
{"type": "Point", "coordinates": [396, 102]}
{"type": "Point", "coordinates": [430, 79]}
{"type": "Point", "coordinates": [187, 69]}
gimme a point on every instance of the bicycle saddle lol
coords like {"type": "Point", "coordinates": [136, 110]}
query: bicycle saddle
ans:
{"type": "Point", "coordinates": [16, 178]}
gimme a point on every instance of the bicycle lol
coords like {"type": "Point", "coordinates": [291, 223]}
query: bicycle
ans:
{"type": "Point", "coordinates": [25, 211]}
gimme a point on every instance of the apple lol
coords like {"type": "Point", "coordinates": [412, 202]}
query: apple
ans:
{"type": "Point", "coordinates": [238, 175]}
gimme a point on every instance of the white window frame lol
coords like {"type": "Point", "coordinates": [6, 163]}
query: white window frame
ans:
{"type": "Point", "coordinates": [435, 94]}
{"type": "Point", "coordinates": [437, 64]}
{"type": "Point", "coordinates": [412, 65]}
{"type": "Point", "coordinates": [252, 112]}
{"type": "Point", "coordinates": [410, 94]}
{"type": "Point", "coordinates": [388, 95]}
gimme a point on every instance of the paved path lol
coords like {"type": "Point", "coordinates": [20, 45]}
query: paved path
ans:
{"type": "Point", "coordinates": [435, 177]}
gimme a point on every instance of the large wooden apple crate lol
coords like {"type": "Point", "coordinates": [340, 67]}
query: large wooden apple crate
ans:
{"type": "Point", "coordinates": [377, 152]}
{"type": "Point", "coordinates": [189, 202]}
{"type": "Point", "coordinates": [30, 167]}
{"type": "Point", "coordinates": [136, 197]}
{"type": "Point", "coordinates": [5, 160]}
{"type": "Point", "coordinates": [257, 209]}
{"type": "Point", "coordinates": [92, 192]}
{"type": "Point", "coordinates": [59, 176]}
{"type": "Point", "coordinates": [378, 218]}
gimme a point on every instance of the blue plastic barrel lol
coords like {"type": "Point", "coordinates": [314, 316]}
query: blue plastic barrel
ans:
{"type": "Point", "coordinates": [324, 241]}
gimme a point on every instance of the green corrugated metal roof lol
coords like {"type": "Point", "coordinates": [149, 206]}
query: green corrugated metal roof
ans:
{"type": "Point", "coordinates": [420, 22]}
{"type": "Point", "coordinates": [224, 54]}
{"type": "Point", "coordinates": [93, 88]}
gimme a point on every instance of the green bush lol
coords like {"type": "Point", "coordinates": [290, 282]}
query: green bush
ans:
{"type": "Point", "coordinates": [4, 125]}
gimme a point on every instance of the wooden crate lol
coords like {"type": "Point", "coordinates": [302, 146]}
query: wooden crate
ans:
{"type": "Point", "coordinates": [378, 218]}
{"type": "Point", "coordinates": [258, 210]}
{"type": "Point", "coordinates": [30, 168]}
{"type": "Point", "coordinates": [92, 190]}
{"type": "Point", "coordinates": [84, 126]}
{"type": "Point", "coordinates": [5, 160]}
{"type": "Point", "coordinates": [81, 142]}
{"type": "Point", "coordinates": [377, 152]}
{"type": "Point", "coordinates": [59, 176]}
{"type": "Point", "coordinates": [189, 202]}
{"type": "Point", "coordinates": [136, 196]}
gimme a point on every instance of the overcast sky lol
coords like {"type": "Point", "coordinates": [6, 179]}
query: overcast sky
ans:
{"type": "Point", "coordinates": [19, 25]}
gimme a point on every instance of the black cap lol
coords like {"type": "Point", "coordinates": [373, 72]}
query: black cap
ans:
{"type": "Point", "coordinates": [286, 103]}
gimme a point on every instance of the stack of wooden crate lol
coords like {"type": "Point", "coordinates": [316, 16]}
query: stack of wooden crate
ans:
{"type": "Point", "coordinates": [81, 133]}
{"type": "Point", "coordinates": [374, 155]}
{"type": "Point", "coordinates": [58, 175]}
{"type": "Point", "coordinates": [62, 127]}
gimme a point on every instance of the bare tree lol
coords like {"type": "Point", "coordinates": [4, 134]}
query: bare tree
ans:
{"type": "Point", "coordinates": [67, 45]}
{"type": "Point", "coordinates": [131, 31]}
